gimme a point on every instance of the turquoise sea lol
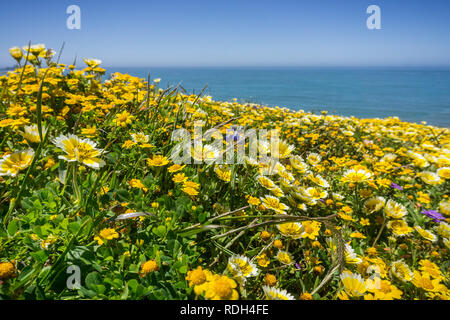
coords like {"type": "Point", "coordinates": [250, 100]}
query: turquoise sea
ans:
{"type": "Point", "coordinates": [412, 94]}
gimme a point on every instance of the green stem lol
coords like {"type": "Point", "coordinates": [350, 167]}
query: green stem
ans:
{"type": "Point", "coordinates": [76, 189]}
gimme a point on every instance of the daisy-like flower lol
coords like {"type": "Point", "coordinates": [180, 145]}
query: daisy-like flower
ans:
{"type": "Point", "coordinates": [431, 178]}
{"type": "Point", "coordinates": [92, 62]}
{"type": "Point", "coordinates": [356, 175]}
{"type": "Point", "coordinates": [81, 150]}
{"type": "Point", "coordinates": [190, 191]}
{"type": "Point", "coordinates": [350, 255]}
{"type": "Point", "coordinates": [442, 162]}
{"type": "Point", "coordinates": [418, 160]}
{"type": "Point", "coordinates": [35, 49]}
{"type": "Point", "coordinates": [311, 229]}
{"type": "Point", "coordinates": [31, 133]}
{"type": "Point", "coordinates": [284, 149]}
{"type": "Point", "coordinates": [444, 207]}
{"type": "Point", "coordinates": [16, 53]}
{"type": "Point", "coordinates": [337, 196]}
{"type": "Point", "coordinates": [399, 227]}
{"type": "Point", "coordinates": [263, 147]}
{"type": "Point", "coordinates": [431, 268]}
{"type": "Point", "coordinates": [298, 164]}
{"type": "Point", "coordinates": [381, 290]}
{"type": "Point", "coordinates": [277, 192]}
{"type": "Point", "coordinates": [426, 234]}
{"type": "Point", "coordinates": [123, 119]}
{"type": "Point", "coordinates": [286, 177]}
{"type": "Point", "coordinates": [401, 271]}
{"type": "Point", "coordinates": [423, 281]}
{"type": "Point", "coordinates": [313, 159]}
{"type": "Point", "coordinates": [175, 168]}
{"type": "Point", "coordinates": [89, 131]}
{"type": "Point", "coordinates": [241, 267]}
{"type": "Point", "coordinates": [394, 210]}
{"type": "Point", "coordinates": [106, 234]}
{"type": "Point", "coordinates": [265, 182]}
{"type": "Point", "coordinates": [273, 293]}
{"type": "Point", "coordinates": [139, 137]}
{"type": "Point", "coordinates": [292, 230]}
{"type": "Point", "coordinates": [136, 183]}
{"type": "Point", "coordinates": [207, 153]}
{"type": "Point", "coordinates": [444, 172]}
{"type": "Point", "coordinates": [312, 194]}
{"type": "Point", "coordinates": [157, 161]}
{"type": "Point", "coordinates": [317, 179]}
{"type": "Point", "coordinates": [373, 205]}
{"type": "Point", "coordinates": [253, 201]}
{"type": "Point", "coordinates": [179, 178]}
{"type": "Point", "coordinates": [223, 173]}
{"type": "Point", "coordinates": [191, 184]}
{"type": "Point", "coordinates": [273, 203]}
{"type": "Point", "coordinates": [443, 230]}
{"type": "Point", "coordinates": [11, 164]}
{"type": "Point", "coordinates": [284, 257]}
{"type": "Point", "coordinates": [353, 284]}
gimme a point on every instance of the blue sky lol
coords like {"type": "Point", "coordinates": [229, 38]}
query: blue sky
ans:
{"type": "Point", "coordinates": [234, 33]}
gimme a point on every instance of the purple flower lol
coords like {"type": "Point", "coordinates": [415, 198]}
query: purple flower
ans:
{"type": "Point", "coordinates": [433, 214]}
{"type": "Point", "coordinates": [233, 134]}
{"type": "Point", "coordinates": [298, 266]}
{"type": "Point", "coordinates": [396, 186]}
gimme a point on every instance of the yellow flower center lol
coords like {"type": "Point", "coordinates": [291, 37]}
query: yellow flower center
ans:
{"type": "Point", "coordinates": [223, 288]}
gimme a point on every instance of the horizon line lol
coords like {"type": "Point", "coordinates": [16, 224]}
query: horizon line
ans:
{"type": "Point", "coordinates": [258, 66]}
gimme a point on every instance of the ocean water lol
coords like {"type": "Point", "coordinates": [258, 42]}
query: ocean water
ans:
{"type": "Point", "coordinates": [412, 94]}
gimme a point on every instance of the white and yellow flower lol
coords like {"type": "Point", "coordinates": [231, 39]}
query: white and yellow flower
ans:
{"type": "Point", "coordinates": [31, 133]}
{"type": "Point", "coordinates": [292, 230]}
{"type": "Point", "coordinates": [273, 293]}
{"type": "Point", "coordinates": [241, 267]}
{"type": "Point", "coordinates": [430, 177]}
{"type": "Point", "coordinates": [356, 175]}
{"type": "Point", "coordinates": [353, 284]}
{"type": "Point", "coordinates": [273, 203]}
{"type": "Point", "coordinates": [12, 163]}
{"type": "Point", "coordinates": [401, 271]}
{"type": "Point", "coordinates": [92, 62]}
{"type": "Point", "coordinates": [81, 150]}
{"type": "Point", "coordinates": [426, 234]}
{"type": "Point", "coordinates": [373, 204]}
{"type": "Point", "coordinates": [394, 210]}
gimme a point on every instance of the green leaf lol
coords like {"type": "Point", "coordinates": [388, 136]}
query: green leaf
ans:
{"type": "Point", "coordinates": [133, 284]}
{"type": "Point", "coordinates": [159, 231]}
{"type": "Point", "coordinates": [183, 269]}
{"type": "Point", "coordinates": [40, 256]}
{"type": "Point", "coordinates": [13, 226]}
{"type": "Point", "coordinates": [92, 280]}
{"type": "Point", "coordinates": [74, 227]}
{"type": "Point", "coordinates": [202, 217]}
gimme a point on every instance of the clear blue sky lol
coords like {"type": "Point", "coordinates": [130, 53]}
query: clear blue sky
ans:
{"type": "Point", "coordinates": [234, 33]}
